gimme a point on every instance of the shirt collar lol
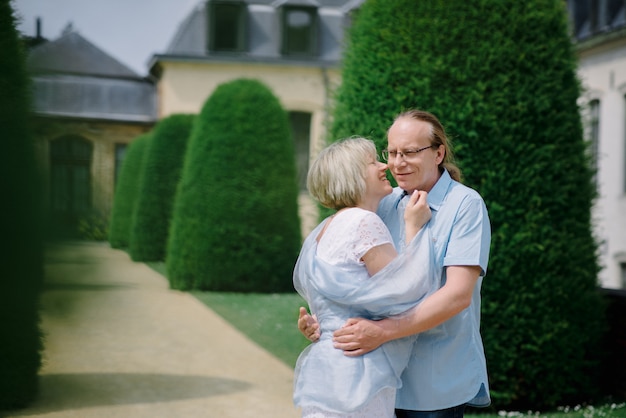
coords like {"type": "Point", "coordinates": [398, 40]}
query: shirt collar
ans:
{"type": "Point", "coordinates": [439, 190]}
{"type": "Point", "coordinates": [436, 194]}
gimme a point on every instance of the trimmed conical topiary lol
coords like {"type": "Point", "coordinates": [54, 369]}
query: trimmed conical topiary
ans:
{"type": "Point", "coordinates": [500, 75]}
{"type": "Point", "coordinates": [161, 173]}
{"type": "Point", "coordinates": [126, 192]}
{"type": "Point", "coordinates": [235, 225]}
{"type": "Point", "coordinates": [21, 226]}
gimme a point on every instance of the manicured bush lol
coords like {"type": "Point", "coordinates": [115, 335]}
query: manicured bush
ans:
{"type": "Point", "coordinates": [161, 173]}
{"type": "Point", "coordinates": [500, 75]}
{"type": "Point", "coordinates": [126, 192]}
{"type": "Point", "coordinates": [21, 225]}
{"type": "Point", "coordinates": [235, 225]}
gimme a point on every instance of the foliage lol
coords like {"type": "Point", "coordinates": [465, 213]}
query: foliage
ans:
{"type": "Point", "coordinates": [235, 225]}
{"type": "Point", "coordinates": [127, 190]}
{"type": "Point", "coordinates": [93, 226]}
{"type": "Point", "coordinates": [500, 75]}
{"type": "Point", "coordinates": [161, 173]}
{"type": "Point", "coordinates": [21, 225]}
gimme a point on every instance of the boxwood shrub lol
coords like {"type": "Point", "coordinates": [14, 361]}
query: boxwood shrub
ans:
{"type": "Point", "coordinates": [126, 192]}
{"type": "Point", "coordinates": [501, 76]}
{"type": "Point", "coordinates": [155, 199]}
{"type": "Point", "coordinates": [235, 225]}
{"type": "Point", "coordinates": [21, 226]}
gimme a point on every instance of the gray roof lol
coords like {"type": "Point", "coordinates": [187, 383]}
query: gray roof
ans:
{"type": "Point", "coordinates": [86, 97]}
{"type": "Point", "coordinates": [263, 34]}
{"type": "Point", "coordinates": [73, 54]}
{"type": "Point", "coordinates": [73, 78]}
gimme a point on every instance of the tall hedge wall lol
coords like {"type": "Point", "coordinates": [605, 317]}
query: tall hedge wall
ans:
{"type": "Point", "coordinates": [235, 225]}
{"type": "Point", "coordinates": [21, 225]}
{"type": "Point", "coordinates": [500, 75]}
{"type": "Point", "coordinates": [161, 173]}
{"type": "Point", "coordinates": [126, 192]}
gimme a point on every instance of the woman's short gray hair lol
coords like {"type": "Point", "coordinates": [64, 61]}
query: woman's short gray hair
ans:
{"type": "Point", "coordinates": [337, 176]}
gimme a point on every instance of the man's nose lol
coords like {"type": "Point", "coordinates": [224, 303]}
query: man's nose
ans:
{"type": "Point", "coordinates": [398, 159]}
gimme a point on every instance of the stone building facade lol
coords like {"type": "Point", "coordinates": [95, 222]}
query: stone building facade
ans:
{"type": "Point", "coordinates": [292, 46]}
{"type": "Point", "coordinates": [599, 33]}
{"type": "Point", "coordinates": [88, 107]}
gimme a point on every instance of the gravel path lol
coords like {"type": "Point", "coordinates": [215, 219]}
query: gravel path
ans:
{"type": "Point", "coordinates": [120, 343]}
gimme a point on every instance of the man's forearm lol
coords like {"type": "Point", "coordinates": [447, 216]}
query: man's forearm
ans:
{"type": "Point", "coordinates": [434, 310]}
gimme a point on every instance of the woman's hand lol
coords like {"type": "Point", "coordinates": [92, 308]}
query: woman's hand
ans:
{"type": "Point", "coordinates": [417, 212]}
{"type": "Point", "coordinates": [308, 325]}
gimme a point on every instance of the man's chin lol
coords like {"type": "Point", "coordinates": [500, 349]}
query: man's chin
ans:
{"type": "Point", "coordinates": [405, 186]}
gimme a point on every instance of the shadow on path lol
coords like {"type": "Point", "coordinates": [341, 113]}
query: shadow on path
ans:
{"type": "Point", "coordinates": [85, 390]}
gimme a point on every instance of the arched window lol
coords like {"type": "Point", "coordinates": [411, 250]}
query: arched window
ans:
{"type": "Point", "coordinates": [70, 180]}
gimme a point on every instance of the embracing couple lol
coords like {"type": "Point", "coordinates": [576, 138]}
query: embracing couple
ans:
{"type": "Point", "coordinates": [393, 281]}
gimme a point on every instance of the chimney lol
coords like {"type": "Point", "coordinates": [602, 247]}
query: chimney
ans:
{"type": "Point", "coordinates": [38, 28]}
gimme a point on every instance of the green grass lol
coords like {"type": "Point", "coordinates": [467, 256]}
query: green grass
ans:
{"type": "Point", "coordinates": [608, 410]}
{"type": "Point", "coordinates": [270, 320]}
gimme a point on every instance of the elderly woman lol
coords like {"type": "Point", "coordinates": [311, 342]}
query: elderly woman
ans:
{"type": "Point", "coordinates": [349, 267]}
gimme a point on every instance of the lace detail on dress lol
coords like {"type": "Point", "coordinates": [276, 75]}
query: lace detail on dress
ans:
{"type": "Point", "coordinates": [381, 406]}
{"type": "Point", "coordinates": [351, 234]}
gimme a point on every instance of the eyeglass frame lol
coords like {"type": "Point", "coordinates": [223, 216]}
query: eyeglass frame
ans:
{"type": "Point", "coordinates": [405, 155]}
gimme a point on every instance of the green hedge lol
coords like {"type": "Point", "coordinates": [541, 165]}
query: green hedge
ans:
{"type": "Point", "coordinates": [500, 75]}
{"type": "Point", "coordinates": [161, 173]}
{"type": "Point", "coordinates": [127, 191]}
{"type": "Point", "coordinates": [235, 224]}
{"type": "Point", "coordinates": [21, 226]}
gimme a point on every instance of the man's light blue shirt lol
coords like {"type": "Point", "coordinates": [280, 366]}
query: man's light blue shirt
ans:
{"type": "Point", "coordinates": [448, 366]}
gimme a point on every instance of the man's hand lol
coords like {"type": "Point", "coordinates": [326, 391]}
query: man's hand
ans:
{"type": "Point", "coordinates": [308, 325]}
{"type": "Point", "coordinates": [359, 336]}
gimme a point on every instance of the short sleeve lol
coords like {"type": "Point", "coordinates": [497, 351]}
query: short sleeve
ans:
{"type": "Point", "coordinates": [351, 234]}
{"type": "Point", "coordinates": [371, 232]}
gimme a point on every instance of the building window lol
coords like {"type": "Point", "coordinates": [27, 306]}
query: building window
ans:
{"type": "Point", "coordinates": [120, 153]}
{"type": "Point", "coordinates": [595, 16]}
{"type": "Point", "coordinates": [301, 133]}
{"type": "Point", "coordinates": [227, 26]}
{"type": "Point", "coordinates": [70, 181]}
{"type": "Point", "coordinates": [622, 268]}
{"type": "Point", "coordinates": [594, 136]}
{"type": "Point", "coordinates": [624, 152]}
{"type": "Point", "coordinates": [299, 31]}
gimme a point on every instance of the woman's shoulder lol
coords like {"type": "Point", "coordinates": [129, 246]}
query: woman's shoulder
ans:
{"type": "Point", "coordinates": [357, 215]}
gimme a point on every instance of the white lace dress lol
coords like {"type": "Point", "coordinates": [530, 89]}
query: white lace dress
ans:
{"type": "Point", "coordinates": [334, 281]}
{"type": "Point", "coordinates": [347, 238]}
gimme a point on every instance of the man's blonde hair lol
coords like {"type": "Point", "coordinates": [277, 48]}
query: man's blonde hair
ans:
{"type": "Point", "coordinates": [337, 176]}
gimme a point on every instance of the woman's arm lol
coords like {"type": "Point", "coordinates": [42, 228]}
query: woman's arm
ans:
{"type": "Point", "coordinates": [416, 214]}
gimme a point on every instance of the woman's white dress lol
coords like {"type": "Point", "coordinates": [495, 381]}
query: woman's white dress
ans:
{"type": "Point", "coordinates": [334, 281]}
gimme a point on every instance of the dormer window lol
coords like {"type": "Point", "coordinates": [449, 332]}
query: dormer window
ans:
{"type": "Point", "coordinates": [300, 33]}
{"type": "Point", "coordinates": [227, 26]}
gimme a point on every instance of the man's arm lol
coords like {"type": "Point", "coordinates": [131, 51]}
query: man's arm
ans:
{"type": "Point", "coordinates": [359, 336]}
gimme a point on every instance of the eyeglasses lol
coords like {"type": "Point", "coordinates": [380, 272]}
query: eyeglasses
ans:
{"type": "Point", "coordinates": [406, 155]}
